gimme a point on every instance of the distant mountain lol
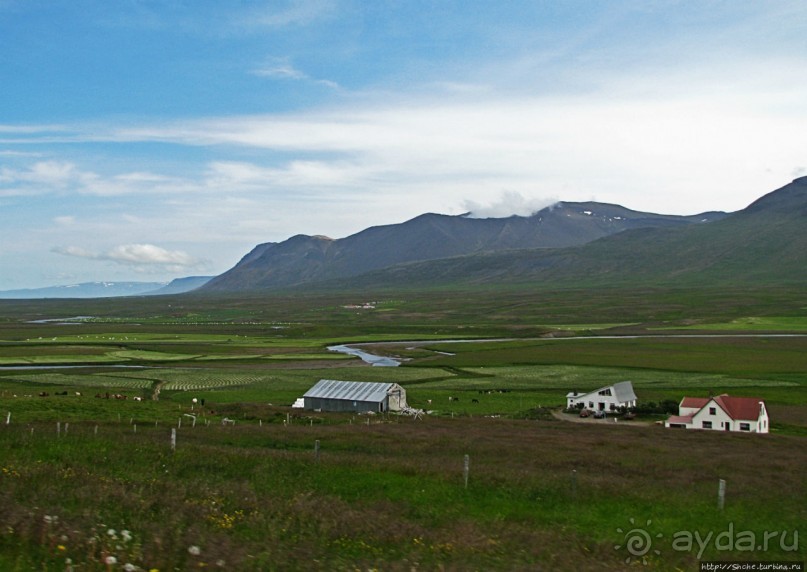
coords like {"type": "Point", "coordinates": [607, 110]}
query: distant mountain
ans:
{"type": "Point", "coordinates": [311, 259]}
{"type": "Point", "coordinates": [763, 244]}
{"type": "Point", "coordinates": [108, 289]}
{"type": "Point", "coordinates": [180, 285]}
{"type": "Point", "coordinates": [85, 290]}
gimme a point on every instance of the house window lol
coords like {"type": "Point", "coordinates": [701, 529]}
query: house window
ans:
{"type": "Point", "coordinates": [591, 405]}
{"type": "Point", "coordinates": [712, 411]}
{"type": "Point", "coordinates": [745, 426]}
{"type": "Point", "coordinates": [707, 424]}
{"type": "Point", "coordinates": [605, 392]}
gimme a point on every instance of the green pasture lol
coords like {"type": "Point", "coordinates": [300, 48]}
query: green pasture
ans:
{"type": "Point", "coordinates": [387, 492]}
{"type": "Point", "coordinates": [540, 495]}
{"type": "Point", "coordinates": [755, 324]}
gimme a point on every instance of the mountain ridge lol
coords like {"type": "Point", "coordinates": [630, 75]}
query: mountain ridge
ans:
{"type": "Point", "coordinates": [303, 259]}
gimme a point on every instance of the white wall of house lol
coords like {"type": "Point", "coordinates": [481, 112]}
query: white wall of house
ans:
{"type": "Point", "coordinates": [712, 416]}
{"type": "Point", "coordinates": [687, 411]}
{"type": "Point", "coordinates": [598, 400]}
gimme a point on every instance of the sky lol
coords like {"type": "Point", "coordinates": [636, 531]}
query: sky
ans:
{"type": "Point", "coordinates": [147, 140]}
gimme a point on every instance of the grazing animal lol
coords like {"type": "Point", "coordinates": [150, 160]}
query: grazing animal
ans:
{"type": "Point", "coordinates": [474, 401]}
{"type": "Point", "coordinates": [43, 394]}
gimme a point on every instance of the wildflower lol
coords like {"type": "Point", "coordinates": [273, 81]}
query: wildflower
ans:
{"type": "Point", "coordinates": [61, 548]}
{"type": "Point", "coordinates": [49, 519]}
{"type": "Point", "coordinates": [110, 560]}
{"type": "Point", "coordinates": [129, 567]}
{"type": "Point", "coordinates": [194, 550]}
{"type": "Point", "coordinates": [126, 535]}
{"type": "Point", "coordinates": [112, 533]}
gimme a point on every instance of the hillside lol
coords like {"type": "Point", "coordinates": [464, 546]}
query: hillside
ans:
{"type": "Point", "coordinates": [180, 285]}
{"type": "Point", "coordinates": [313, 259]}
{"type": "Point", "coordinates": [84, 290]}
{"type": "Point", "coordinates": [765, 243]}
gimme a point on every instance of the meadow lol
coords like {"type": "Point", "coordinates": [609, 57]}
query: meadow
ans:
{"type": "Point", "coordinates": [86, 479]}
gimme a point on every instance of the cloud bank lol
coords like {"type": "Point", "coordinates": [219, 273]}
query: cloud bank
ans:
{"type": "Point", "coordinates": [144, 257]}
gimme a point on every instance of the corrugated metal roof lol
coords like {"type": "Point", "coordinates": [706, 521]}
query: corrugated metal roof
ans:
{"type": "Point", "coordinates": [624, 391]}
{"type": "Point", "coordinates": [349, 390]}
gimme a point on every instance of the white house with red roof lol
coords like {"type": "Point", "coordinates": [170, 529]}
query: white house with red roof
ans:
{"type": "Point", "coordinates": [722, 413]}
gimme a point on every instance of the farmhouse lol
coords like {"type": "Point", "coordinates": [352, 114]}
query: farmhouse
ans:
{"type": "Point", "coordinates": [721, 413]}
{"type": "Point", "coordinates": [357, 396]}
{"type": "Point", "coordinates": [608, 398]}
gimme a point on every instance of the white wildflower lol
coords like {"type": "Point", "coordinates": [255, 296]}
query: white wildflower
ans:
{"type": "Point", "coordinates": [110, 560]}
{"type": "Point", "coordinates": [194, 550]}
{"type": "Point", "coordinates": [126, 535]}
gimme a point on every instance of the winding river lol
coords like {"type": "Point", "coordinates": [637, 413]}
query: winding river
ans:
{"type": "Point", "coordinates": [385, 361]}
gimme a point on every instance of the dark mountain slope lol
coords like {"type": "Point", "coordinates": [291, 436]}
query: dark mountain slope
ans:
{"type": "Point", "coordinates": [766, 243]}
{"type": "Point", "coordinates": [308, 259]}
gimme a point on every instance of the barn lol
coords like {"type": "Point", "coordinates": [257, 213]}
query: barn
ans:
{"type": "Point", "coordinates": [355, 396]}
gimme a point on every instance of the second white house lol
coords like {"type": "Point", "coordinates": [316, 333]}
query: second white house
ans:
{"type": "Point", "coordinates": [609, 398]}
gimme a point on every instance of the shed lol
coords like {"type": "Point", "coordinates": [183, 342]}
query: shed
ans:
{"type": "Point", "coordinates": [355, 396]}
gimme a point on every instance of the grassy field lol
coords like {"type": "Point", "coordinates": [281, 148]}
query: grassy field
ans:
{"type": "Point", "coordinates": [388, 492]}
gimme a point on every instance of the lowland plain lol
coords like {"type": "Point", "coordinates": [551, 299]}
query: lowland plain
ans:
{"type": "Point", "coordinates": [388, 492]}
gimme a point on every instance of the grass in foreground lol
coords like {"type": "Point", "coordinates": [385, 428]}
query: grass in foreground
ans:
{"type": "Point", "coordinates": [387, 496]}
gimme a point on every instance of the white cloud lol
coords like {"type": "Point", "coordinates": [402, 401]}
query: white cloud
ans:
{"type": "Point", "coordinates": [296, 13]}
{"type": "Point", "coordinates": [141, 256]}
{"type": "Point", "coordinates": [279, 70]}
{"type": "Point", "coordinates": [282, 69]}
{"type": "Point", "coordinates": [509, 203]}
{"type": "Point", "coordinates": [65, 220]}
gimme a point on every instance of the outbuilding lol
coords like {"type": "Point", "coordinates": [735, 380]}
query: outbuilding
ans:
{"type": "Point", "coordinates": [355, 396]}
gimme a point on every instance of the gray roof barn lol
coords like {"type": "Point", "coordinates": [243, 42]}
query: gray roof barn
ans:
{"type": "Point", "coordinates": [357, 396]}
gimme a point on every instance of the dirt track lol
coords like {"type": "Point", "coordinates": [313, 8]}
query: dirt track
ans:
{"type": "Point", "coordinates": [607, 421]}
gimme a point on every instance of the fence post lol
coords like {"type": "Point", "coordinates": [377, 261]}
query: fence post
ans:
{"type": "Point", "coordinates": [58, 428]}
{"type": "Point", "coordinates": [721, 494]}
{"type": "Point", "coordinates": [316, 450]}
{"type": "Point", "coordinates": [173, 439]}
{"type": "Point", "coordinates": [466, 469]}
{"type": "Point", "coordinates": [574, 483]}
{"type": "Point", "coordinates": [8, 418]}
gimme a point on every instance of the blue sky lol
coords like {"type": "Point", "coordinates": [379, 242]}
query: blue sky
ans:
{"type": "Point", "coordinates": [146, 140]}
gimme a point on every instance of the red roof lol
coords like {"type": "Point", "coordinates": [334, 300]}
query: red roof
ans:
{"type": "Point", "coordinates": [745, 408]}
{"type": "Point", "coordinates": [695, 402]}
